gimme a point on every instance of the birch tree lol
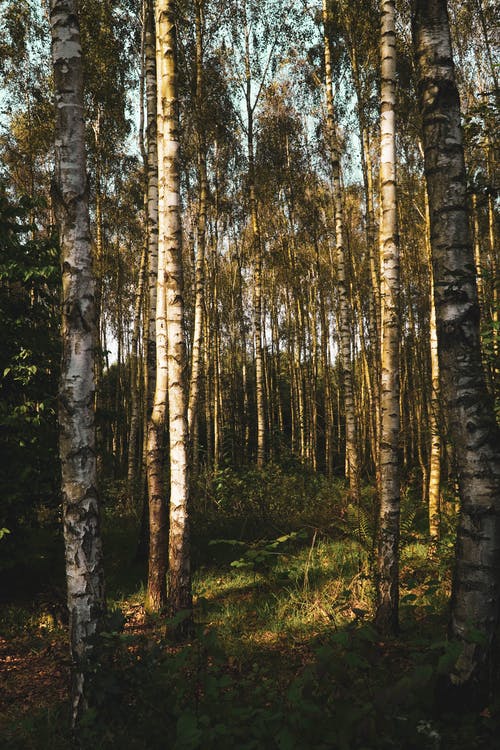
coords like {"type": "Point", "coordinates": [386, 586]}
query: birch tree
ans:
{"type": "Point", "coordinates": [345, 313]}
{"type": "Point", "coordinates": [388, 566]}
{"type": "Point", "coordinates": [170, 288]}
{"type": "Point", "coordinates": [197, 351]}
{"type": "Point", "coordinates": [76, 394]}
{"type": "Point", "coordinates": [471, 421]}
{"type": "Point", "coordinates": [157, 340]}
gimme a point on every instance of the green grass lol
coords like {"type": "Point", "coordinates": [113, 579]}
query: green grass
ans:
{"type": "Point", "coordinates": [284, 656]}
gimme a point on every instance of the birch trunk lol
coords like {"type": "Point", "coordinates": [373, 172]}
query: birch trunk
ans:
{"type": "Point", "coordinates": [84, 572]}
{"type": "Point", "coordinates": [152, 188]}
{"type": "Point", "coordinates": [388, 564]}
{"type": "Point", "coordinates": [179, 576]}
{"type": "Point", "coordinates": [158, 518]}
{"type": "Point", "coordinates": [345, 313]}
{"type": "Point", "coordinates": [257, 257]}
{"type": "Point", "coordinates": [197, 352]}
{"type": "Point", "coordinates": [471, 422]}
{"type": "Point", "coordinates": [134, 461]}
{"type": "Point", "coordinates": [374, 322]}
{"type": "Point", "coordinates": [434, 486]}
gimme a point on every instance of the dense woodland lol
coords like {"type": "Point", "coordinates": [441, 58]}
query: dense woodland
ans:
{"type": "Point", "coordinates": [249, 374]}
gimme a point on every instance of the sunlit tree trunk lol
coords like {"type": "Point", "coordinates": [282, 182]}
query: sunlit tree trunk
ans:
{"type": "Point", "coordinates": [170, 238]}
{"type": "Point", "coordinates": [257, 257]}
{"type": "Point", "coordinates": [374, 321]}
{"type": "Point", "coordinates": [76, 393]}
{"type": "Point", "coordinates": [151, 167]}
{"type": "Point", "coordinates": [388, 564]}
{"type": "Point", "coordinates": [471, 422]}
{"type": "Point", "coordinates": [434, 485]}
{"type": "Point", "coordinates": [346, 318]}
{"type": "Point", "coordinates": [494, 257]}
{"type": "Point", "coordinates": [157, 358]}
{"type": "Point", "coordinates": [197, 353]}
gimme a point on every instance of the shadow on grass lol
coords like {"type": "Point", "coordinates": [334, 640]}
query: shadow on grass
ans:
{"type": "Point", "coordinates": [266, 671]}
{"type": "Point", "coordinates": [341, 689]}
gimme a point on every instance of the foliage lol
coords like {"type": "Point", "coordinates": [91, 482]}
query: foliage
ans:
{"type": "Point", "coordinates": [29, 365]}
{"type": "Point", "coordinates": [258, 675]}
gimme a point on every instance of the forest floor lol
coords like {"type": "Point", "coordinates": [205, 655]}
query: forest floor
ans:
{"type": "Point", "coordinates": [283, 656]}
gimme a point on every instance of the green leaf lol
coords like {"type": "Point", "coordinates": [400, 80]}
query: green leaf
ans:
{"type": "Point", "coordinates": [232, 542]}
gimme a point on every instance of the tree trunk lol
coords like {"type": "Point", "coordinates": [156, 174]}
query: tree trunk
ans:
{"type": "Point", "coordinates": [388, 564]}
{"type": "Point", "coordinates": [257, 258]}
{"type": "Point", "coordinates": [151, 167]}
{"type": "Point", "coordinates": [434, 486]}
{"type": "Point", "coordinates": [134, 460]}
{"type": "Point", "coordinates": [471, 421]}
{"type": "Point", "coordinates": [76, 393]}
{"type": "Point", "coordinates": [157, 345]}
{"type": "Point", "coordinates": [170, 236]}
{"type": "Point", "coordinates": [199, 309]}
{"type": "Point", "coordinates": [345, 313]}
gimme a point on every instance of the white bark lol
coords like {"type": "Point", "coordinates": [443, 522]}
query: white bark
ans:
{"type": "Point", "coordinates": [76, 392]}
{"type": "Point", "coordinates": [346, 317]}
{"type": "Point", "coordinates": [157, 343]}
{"type": "Point", "coordinates": [388, 565]}
{"type": "Point", "coordinates": [197, 352]}
{"type": "Point", "coordinates": [471, 421]}
{"type": "Point", "coordinates": [179, 576]}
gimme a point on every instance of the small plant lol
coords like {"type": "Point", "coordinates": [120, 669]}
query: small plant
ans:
{"type": "Point", "coordinates": [262, 557]}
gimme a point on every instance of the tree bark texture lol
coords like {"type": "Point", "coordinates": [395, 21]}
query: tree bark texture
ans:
{"type": "Point", "coordinates": [434, 485]}
{"type": "Point", "coordinates": [199, 313]}
{"type": "Point", "coordinates": [257, 256]}
{"type": "Point", "coordinates": [346, 318]}
{"type": "Point", "coordinates": [76, 392]}
{"type": "Point", "coordinates": [134, 461]}
{"type": "Point", "coordinates": [156, 596]}
{"type": "Point", "coordinates": [388, 566]}
{"type": "Point", "coordinates": [152, 181]}
{"type": "Point", "coordinates": [179, 575]}
{"type": "Point", "coordinates": [471, 422]}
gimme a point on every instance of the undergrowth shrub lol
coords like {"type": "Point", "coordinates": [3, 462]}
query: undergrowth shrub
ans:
{"type": "Point", "coordinates": [247, 503]}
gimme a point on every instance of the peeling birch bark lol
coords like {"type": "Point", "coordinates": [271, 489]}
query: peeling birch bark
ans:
{"type": "Point", "coordinates": [471, 421]}
{"type": "Point", "coordinates": [388, 549]}
{"type": "Point", "coordinates": [156, 596]}
{"type": "Point", "coordinates": [82, 539]}
{"type": "Point", "coordinates": [434, 482]}
{"type": "Point", "coordinates": [170, 243]}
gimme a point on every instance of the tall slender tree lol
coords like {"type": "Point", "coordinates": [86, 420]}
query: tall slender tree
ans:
{"type": "Point", "coordinates": [156, 361]}
{"type": "Point", "coordinates": [388, 565]}
{"type": "Point", "coordinates": [157, 353]}
{"type": "Point", "coordinates": [346, 318]}
{"type": "Point", "coordinates": [170, 248]}
{"type": "Point", "coordinates": [197, 351]}
{"type": "Point", "coordinates": [471, 421]}
{"type": "Point", "coordinates": [76, 394]}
